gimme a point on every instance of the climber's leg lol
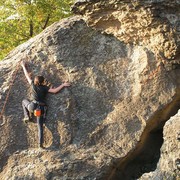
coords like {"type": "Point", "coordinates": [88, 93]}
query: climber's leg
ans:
{"type": "Point", "coordinates": [25, 104]}
{"type": "Point", "coordinates": [40, 121]}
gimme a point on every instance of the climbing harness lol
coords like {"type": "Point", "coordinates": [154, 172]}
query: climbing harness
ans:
{"type": "Point", "coordinates": [14, 74]}
{"type": "Point", "coordinates": [40, 110]}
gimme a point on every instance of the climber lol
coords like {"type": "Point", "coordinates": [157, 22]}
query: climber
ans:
{"type": "Point", "coordinates": [39, 92]}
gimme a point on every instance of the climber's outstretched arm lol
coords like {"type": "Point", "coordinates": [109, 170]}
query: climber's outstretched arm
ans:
{"type": "Point", "coordinates": [56, 90]}
{"type": "Point", "coordinates": [26, 73]}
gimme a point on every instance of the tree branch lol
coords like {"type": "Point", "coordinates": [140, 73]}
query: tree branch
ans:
{"type": "Point", "coordinates": [31, 28]}
{"type": "Point", "coordinates": [46, 22]}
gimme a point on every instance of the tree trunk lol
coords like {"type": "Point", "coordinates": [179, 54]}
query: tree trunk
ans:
{"type": "Point", "coordinates": [31, 28]}
{"type": "Point", "coordinates": [46, 22]}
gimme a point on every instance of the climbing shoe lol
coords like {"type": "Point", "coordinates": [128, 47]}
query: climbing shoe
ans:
{"type": "Point", "coordinates": [26, 120]}
{"type": "Point", "coordinates": [41, 146]}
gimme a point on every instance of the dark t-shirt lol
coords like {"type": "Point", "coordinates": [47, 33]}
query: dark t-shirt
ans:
{"type": "Point", "coordinates": [39, 92]}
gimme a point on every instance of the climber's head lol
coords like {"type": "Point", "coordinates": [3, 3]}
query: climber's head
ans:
{"type": "Point", "coordinates": [38, 80]}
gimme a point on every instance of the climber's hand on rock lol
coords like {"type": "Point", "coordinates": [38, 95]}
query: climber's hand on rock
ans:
{"type": "Point", "coordinates": [22, 63]}
{"type": "Point", "coordinates": [66, 84]}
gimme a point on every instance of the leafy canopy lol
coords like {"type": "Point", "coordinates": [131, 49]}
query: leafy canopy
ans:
{"type": "Point", "coordinates": [23, 19]}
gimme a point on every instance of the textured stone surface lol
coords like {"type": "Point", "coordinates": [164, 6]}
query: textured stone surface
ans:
{"type": "Point", "coordinates": [169, 163]}
{"type": "Point", "coordinates": [120, 93]}
{"type": "Point", "coordinates": [153, 24]}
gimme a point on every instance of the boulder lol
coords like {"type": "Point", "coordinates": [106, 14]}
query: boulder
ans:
{"type": "Point", "coordinates": [109, 123]}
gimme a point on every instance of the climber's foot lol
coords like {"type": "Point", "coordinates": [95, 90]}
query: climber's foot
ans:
{"type": "Point", "coordinates": [26, 119]}
{"type": "Point", "coordinates": [41, 146]}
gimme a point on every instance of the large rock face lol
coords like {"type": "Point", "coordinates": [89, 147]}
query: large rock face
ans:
{"type": "Point", "coordinates": [122, 93]}
{"type": "Point", "coordinates": [150, 23]}
{"type": "Point", "coordinates": [169, 163]}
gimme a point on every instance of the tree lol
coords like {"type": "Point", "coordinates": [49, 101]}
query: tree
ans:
{"type": "Point", "coordinates": [23, 19]}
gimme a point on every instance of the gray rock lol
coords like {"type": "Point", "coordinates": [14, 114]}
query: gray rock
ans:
{"type": "Point", "coordinates": [121, 96]}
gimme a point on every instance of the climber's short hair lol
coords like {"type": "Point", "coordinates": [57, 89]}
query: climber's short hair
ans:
{"type": "Point", "coordinates": [38, 80]}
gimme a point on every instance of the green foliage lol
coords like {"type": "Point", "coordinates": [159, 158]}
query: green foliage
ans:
{"type": "Point", "coordinates": [23, 19]}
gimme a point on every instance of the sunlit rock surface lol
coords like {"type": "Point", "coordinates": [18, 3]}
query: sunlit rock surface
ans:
{"type": "Point", "coordinates": [121, 95]}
